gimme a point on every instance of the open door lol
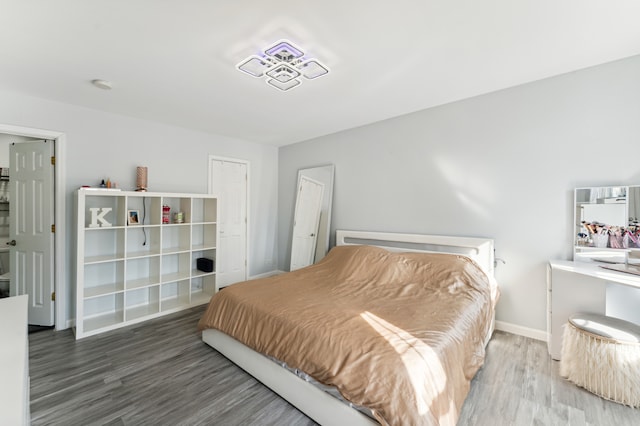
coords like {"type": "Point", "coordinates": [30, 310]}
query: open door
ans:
{"type": "Point", "coordinates": [305, 222]}
{"type": "Point", "coordinates": [31, 227]}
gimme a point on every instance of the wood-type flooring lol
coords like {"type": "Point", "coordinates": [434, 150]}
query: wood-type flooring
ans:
{"type": "Point", "coordinates": [161, 373]}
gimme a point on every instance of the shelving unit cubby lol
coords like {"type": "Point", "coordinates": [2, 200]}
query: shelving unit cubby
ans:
{"type": "Point", "coordinates": [127, 273]}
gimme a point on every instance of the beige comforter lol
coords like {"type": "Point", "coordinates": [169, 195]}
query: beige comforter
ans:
{"type": "Point", "coordinates": [399, 333]}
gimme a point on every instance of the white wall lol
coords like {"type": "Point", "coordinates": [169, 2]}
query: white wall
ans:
{"type": "Point", "coordinates": [501, 165]}
{"type": "Point", "coordinates": [101, 145]}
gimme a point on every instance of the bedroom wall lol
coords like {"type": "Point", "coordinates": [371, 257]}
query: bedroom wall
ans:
{"type": "Point", "coordinates": [101, 145]}
{"type": "Point", "coordinates": [501, 165]}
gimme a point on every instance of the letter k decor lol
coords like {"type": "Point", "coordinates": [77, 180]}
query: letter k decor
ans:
{"type": "Point", "coordinates": [98, 215]}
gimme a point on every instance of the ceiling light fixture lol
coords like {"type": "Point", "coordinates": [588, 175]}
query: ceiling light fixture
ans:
{"type": "Point", "coordinates": [283, 64]}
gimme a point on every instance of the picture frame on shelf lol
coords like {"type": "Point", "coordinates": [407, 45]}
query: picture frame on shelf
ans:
{"type": "Point", "coordinates": [133, 217]}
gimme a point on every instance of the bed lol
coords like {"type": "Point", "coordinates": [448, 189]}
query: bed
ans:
{"type": "Point", "coordinates": [394, 325]}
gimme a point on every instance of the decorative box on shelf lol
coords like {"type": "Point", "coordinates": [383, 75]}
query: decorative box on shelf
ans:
{"type": "Point", "coordinates": [132, 265]}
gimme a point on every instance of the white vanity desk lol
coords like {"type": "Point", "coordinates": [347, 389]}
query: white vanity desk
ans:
{"type": "Point", "coordinates": [586, 287]}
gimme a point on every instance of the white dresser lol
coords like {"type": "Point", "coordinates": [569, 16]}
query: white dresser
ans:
{"type": "Point", "coordinates": [14, 361]}
{"type": "Point", "coordinates": [587, 287]}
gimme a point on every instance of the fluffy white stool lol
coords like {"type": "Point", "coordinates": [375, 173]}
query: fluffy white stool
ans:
{"type": "Point", "coordinates": [602, 355]}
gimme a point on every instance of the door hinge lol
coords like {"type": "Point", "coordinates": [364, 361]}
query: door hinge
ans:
{"type": "Point", "coordinates": [53, 160]}
{"type": "Point", "coordinates": [53, 296]}
{"type": "Point", "coordinates": [53, 228]}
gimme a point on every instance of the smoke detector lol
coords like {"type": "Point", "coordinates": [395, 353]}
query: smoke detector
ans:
{"type": "Point", "coordinates": [102, 84]}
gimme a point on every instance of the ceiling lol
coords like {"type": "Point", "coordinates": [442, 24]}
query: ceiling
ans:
{"type": "Point", "coordinates": [174, 61]}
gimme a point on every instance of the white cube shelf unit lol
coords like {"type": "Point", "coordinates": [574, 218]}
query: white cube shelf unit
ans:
{"type": "Point", "coordinates": [132, 270]}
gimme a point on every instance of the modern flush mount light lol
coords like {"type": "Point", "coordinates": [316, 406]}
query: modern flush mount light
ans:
{"type": "Point", "coordinates": [283, 65]}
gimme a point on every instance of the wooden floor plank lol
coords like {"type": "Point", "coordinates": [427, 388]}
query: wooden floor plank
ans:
{"type": "Point", "coordinates": [161, 373]}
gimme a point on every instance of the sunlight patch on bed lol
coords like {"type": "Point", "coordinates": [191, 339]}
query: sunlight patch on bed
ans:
{"type": "Point", "coordinates": [422, 363]}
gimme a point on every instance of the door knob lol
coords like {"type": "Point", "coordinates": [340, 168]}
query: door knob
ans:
{"type": "Point", "coordinates": [11, 243]}
{"type": "Point", "coordinates": [312, 235]}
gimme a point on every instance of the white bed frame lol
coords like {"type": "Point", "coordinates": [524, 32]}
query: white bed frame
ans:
{"type": "Point", "coordinates": [314, 402]}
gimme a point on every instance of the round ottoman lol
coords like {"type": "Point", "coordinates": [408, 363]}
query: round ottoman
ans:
{"type": "Point", "coordinates": [602, 355]}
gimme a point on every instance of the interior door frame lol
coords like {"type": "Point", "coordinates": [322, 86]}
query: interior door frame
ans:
{"type": "Point", "coordinates": [248, 224]}
{"type": "Point", "coordinates": [60, 201]}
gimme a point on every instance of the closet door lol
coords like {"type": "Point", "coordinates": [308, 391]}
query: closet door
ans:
{"type": "Point", "coordinates": [228, 179]}
{"type": "Point", "coordinates": [30, 230]}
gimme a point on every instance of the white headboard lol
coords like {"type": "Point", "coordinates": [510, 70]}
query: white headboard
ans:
{"type": "Point", "coordinates": [478, 249]}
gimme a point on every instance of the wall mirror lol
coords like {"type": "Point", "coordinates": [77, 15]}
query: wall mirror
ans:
{"type": "Point", "coordinates": [607, 224]}
{"type": "Point", "coordinates": [312, 216]}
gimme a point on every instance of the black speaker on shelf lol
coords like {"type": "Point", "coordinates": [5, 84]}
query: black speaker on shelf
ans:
{"type": "Point", "coordinates": [204, 264]}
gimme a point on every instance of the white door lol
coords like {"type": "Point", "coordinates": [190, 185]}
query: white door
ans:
{"type": "Point", "coordinates": [30, 231]}
{"type": "Point", "coordinates": [305, 222]}
{"type": "Point", "coordinates": [228, 180]}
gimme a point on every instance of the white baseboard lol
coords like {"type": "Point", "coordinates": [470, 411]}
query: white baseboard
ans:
{"type": "Point", "coordinates": [70, 324]}
{"type": "Point", "coordinates": [521, 331]}
{"type": "Point", "coordinates": [267, 274]}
